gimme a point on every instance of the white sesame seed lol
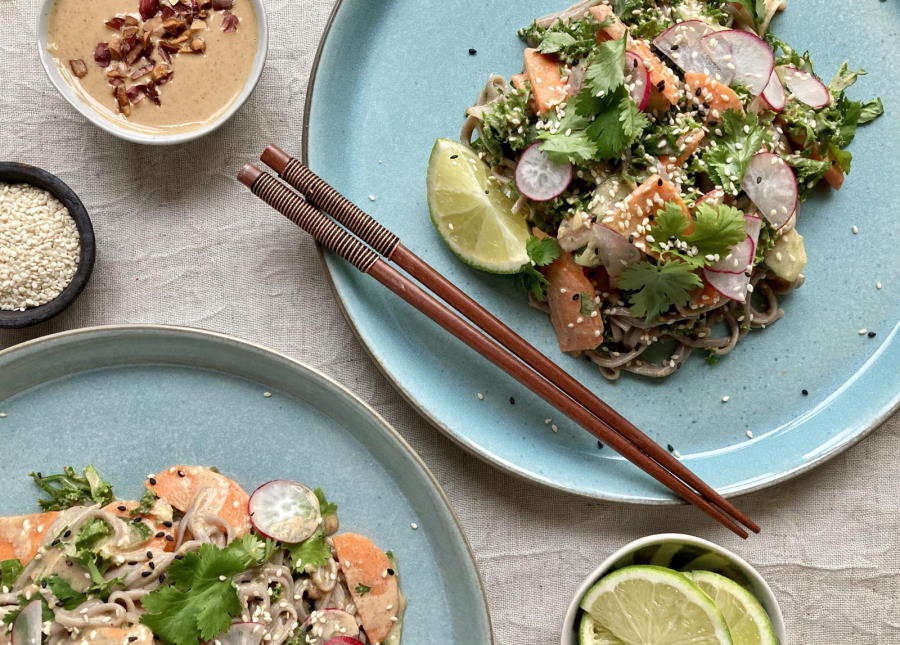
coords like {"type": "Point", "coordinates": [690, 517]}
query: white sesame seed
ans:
{"type": "Point", "coordinates": [726, 398]}
{"type": "Point", "coordinates": [877, 286]}
{"type": "Point", "coordinates": [480, 396]}
{"type": "Point", "coordinates": [854, 229]}
{"type": "Point", "coordinates": [555, 428]}
{"type": "Point", "coordinates": [863, 331]}
{"type": "Point", "coordinates": [267, 395]}
{"type": "Point", "coordinates": [413, 526]}
{"type": "Point", "coordinates": [749, 434]}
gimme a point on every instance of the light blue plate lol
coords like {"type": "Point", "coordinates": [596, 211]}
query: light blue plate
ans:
{"type": "Point", "coordinates": [134, 400]}
{"type": "Point", "coordinates": [394, 75]}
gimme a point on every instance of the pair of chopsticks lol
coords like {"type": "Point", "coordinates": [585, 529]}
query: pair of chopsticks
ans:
{"type": "Point", "coordinates": [369, 246]}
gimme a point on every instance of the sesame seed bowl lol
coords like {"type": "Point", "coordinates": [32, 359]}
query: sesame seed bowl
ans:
{"type": "Point", "coordinates": [27, 315]}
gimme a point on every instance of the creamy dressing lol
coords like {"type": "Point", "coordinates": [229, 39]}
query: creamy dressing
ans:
{"type": "Point", "coordinates": [203, 85]}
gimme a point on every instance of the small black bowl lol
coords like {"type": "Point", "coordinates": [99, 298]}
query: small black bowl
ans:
{"type": "Point", "coordinates": [19, 173]}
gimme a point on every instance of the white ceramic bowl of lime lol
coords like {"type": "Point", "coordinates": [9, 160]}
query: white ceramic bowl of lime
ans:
{"type": "Point", "coordinates": [680, 553]}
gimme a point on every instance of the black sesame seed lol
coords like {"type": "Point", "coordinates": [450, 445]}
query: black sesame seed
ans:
{"type": "Point", "coordinates": [698, 92]}
{"type": "Point", "coordinates": [122, 508]}
{"type": "Point", "coordinates": [390, 572]}
{"type": "Point", "coordinates": [674, 48]}
{"type": "Point", "coordinates": [472, 51]}
{"type": "Point", "coordinates": [651, 217]}
{"type": "Point", "coordinates": [454, 156]}
{"type": "Point", "coordinates": [671, 448]}
{"type": "Point", "coordinates": [659, 182]}
{"type": "Point", "coordinates": [181, 473]}
{"type": "Point", "coordinates": [713, 124]}
{"type": "Point", "coordinates": [600, 445]}
{"type": "Point", "coordinates": [705, 105]}
{"type": "Point", "coordinates": [759, 180]}
{"type": "Point", "coordinates": [131, 563]}
{"type": "Point", "coordinates": [145, 574]}
{"type": "Point", "coordinates": [179, 557]}
{"type": "Point", "coordinates": [67, 534]}
{"type": "Point", "coordinates": [871, 334]}
{"type": "Point", "coordinates": [512, 401]}
{"type": "Point", "coordinates": [152, 481]}
{"type": "Point", "coordinates": [160, 534]}
{"type": "Point", "coordinates": [576, 296]}
{"type": "Point", "coordinates": [167, 524]}
{"type": "Point", "coordinates": [149, 555]}
{"type": "Point", "coordinates": [162, 578]}
{"type": "Point", "coordinates": [169, 538]}
{"type": "Point", "coordinates": [137, 520]}
{"type": "Point", "coordinates": [804, 392]}
{"type": "Point", "coordinates": [131, 639]}
{"type": "Point", "coordinates": [152, 566]}
{"type": "Point", "coordinates": [43, 584]}
{"type": "Point", "coordinates": [661, 86]}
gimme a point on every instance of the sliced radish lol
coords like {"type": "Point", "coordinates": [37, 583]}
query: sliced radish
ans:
{"type": "Point", "coordinates": [715, 197]}
{"type": "Point", "coordinates": [773, 95]}
{"type": "Point", "coordinates": [285, 510]}
{"type": "Point", "coordinates": [771, 185]}
{"type": "Point", "coordinates": [242, 634]}
{"type": "Point", "coordinates": [680, 43]}
{"type": "Point", "coordinates": [325, 624]}
{"type": "Point", "coordinates": [741, 57]}
{"type": "Point", "coordinates": [343, 640]}
{"type": "Point", "coordinates": [26, 629]}
{"type": "Point", "coordinates": [637, 80]}
{"type": "Point", "coordinates": [731, 285]}
{"type": "Point", "coordinates": [753, 225]}
{"type": "Point", "coordinates": [738, 259]}
{"type": "Point", "coordinates": [805, 87]}
{"type": "Point", "coordinates": [540, 178]}
{"type": "Point", "coordinates": [614, 250]}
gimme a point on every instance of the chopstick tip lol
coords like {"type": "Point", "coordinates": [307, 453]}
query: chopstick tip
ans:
{"type": "Point", "coordinates": [276, 158]}
{"type": "Point", "coordinates": [248, 174]}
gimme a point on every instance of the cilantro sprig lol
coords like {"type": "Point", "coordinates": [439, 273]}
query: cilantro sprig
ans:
{"type": "Point", "coordinates": [10, 570]}
{"type": "Point", "coordinates": [656, 287]}
{"type": "Point", "coordinates": [734, 142]}
{"type": "Point", "coordinates": [541, 252]}
{"type": "Point", "coordinates": [69, 489]}
{"type": "Point", "coordinates": [202, 599]}
{"type": "Point", "coordinates": [569, 40]}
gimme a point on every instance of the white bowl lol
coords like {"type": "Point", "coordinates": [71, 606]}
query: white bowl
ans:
{"type": "Point", "coordinates": [92, 115]}
{"type": "Point", "coordinates": [623, 557]}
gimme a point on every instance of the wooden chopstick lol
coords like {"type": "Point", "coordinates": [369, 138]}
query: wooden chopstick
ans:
{"type": "Point", "coordinates": [364, 258]}
{"type": "Point", "coordinates": [324, 196]}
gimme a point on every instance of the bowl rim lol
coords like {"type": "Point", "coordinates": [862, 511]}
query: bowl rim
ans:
{"type": "Point", "coordinates": [761, 588]}
{"type": "Point", "coordinates": [48, 62]}
{"type": "Point", "coordinates": [14, 172]}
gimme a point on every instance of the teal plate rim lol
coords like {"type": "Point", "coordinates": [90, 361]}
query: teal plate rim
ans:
{"type": "Point", "coordinates": [847, 439]}
{"type": "Point", "coordinates": [328, 382]}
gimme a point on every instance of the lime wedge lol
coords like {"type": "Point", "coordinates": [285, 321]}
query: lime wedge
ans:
{"type": "Point", "coordinates": [471, 213]}
{"type": "Point", "coordinates": [647, 605]}
{"type": "Point", "coordinates": [590, 632]}
{"type": "Point", "coordinates": [747, 620]}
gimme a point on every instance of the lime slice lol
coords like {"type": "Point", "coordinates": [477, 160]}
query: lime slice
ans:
{"type": "Point", "coordinates": [747, 620]}
{"type": "Point", "coordinates": [665, 553]}
{"type": "Point", "coordinates": [590, 632]}
{"type": "Point", "coordinates": [471, 213]}
{"type": "Point", "coordinates": [647, 605]}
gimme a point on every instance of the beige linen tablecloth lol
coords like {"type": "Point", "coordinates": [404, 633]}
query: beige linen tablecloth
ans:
{"type": "Point", "coordinates": [180, 243]}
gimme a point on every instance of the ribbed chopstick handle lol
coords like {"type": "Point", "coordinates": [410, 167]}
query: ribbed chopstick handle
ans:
{"type": "Point", "coordinates": [342, 209]}
{"type": "Point", "coordinates": [308, 217]}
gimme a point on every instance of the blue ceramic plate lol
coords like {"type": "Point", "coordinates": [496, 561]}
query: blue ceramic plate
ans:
{"type": "Point", "coordinates": [394, 75]}
{"type": "Point", "coordinates": [133, 400]}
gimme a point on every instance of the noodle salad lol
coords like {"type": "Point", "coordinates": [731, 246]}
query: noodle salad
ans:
{"type": "Point", "coordinates": [196, 560]}
{"type": "Point", "coordinates": [656, 155]}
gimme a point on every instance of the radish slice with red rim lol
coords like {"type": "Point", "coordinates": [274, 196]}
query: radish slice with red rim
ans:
{"type": "Point", "coordinates": [774, 96]}
{"type": "Point", "coordinates": [680, 43]}
{"type": "Point", "coordinates": [738, 259]}
{"type": "Point", "coordinates": [242, 634]}
{"type": "Point", "coordinates": [343, 640]}
{"type": "Point", "coordinates": [285, 510]}
{"type": "Point", "coordinates": [741, 57]}
{"type": "Point", "coordinates": [771, 185]}
{"type": "Point", "coordinates": [753, 225]}
{"type": "Point", "coordinates": [805, 87]}
{"type": "Point", "coordinates": [539, 177]}
{"type": "Point", "coordinates": [325, 624]}
{"type": "Point", "coordinates": [731, 285]}
{"type": "Point", "coordinates": [637, 80]}
{"type": "Point", "coordinates": [26, 629]}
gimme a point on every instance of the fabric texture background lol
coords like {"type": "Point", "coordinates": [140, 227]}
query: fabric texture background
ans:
{"type": "Point", "coordinates": [179, 242]}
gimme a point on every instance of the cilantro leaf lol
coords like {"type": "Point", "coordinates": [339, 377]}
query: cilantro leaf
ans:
{"type": "Point", "coordinates": [656, 287]}
{"type": "Point", "coordinates": [808, 171]}
{"type": "Point", "coordinates": [575, 146]}
{"type": "Point", "coordinates": [716, 229]}
{"type": "Point", "coordinates": [326, 507]}
{"type": "Point", "coordinates": [64, 592]}
{"type": "Point", "coordinates": [588, 305]}
{"type": "Point", "coordinates": [70, 489]}
{"type": "Point", "coordinates": [726, 160]}
{"type": "Point", "coordinates": [148, 500]}
{"type": "Point", "coordinates": [542, 251]}
{"type": "Point", "coordinates": [312, 552]}
{"type": "Point", "coordinates": [532, 281]}
{"type": "Point", "coordinates": [202, 600]}
{"type": "Point", "coordinates": [91, 534]}
{"type": "Point", "coordinates": [670, 223]}
{"type": "Point", "coordinates": [362, 589]}
{"type": "Point", "coordinates": [844, 78]}
{"type": "Point", "coordinates": [10, 570]}
{"type": "Point", "coordinates": [606, 71]}
{"type": "Point", "coordinates": [607, 129]}
{"type": "Point", "coordinates": [569, 40]}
